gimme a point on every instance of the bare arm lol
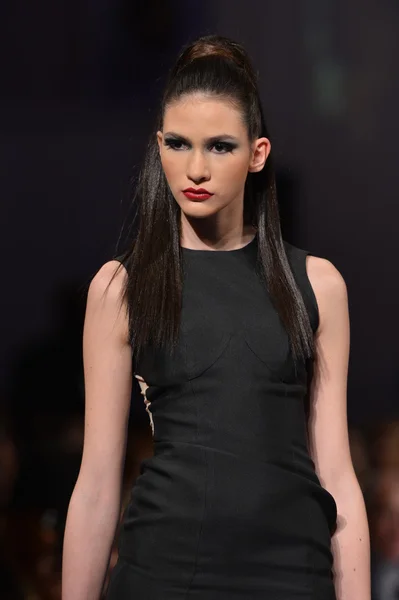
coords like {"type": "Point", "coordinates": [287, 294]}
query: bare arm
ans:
{"type": "Point", "coordinates": [328, 431]}
{"type": "Point", "coordinates": [94, 507]}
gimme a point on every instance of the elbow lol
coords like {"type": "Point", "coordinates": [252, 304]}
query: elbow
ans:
{"type": "Point", "coordinates": [346, 490]}
{"type": "Point", "coordinates": [97, 491]}
{"type": "Point", "coordinates": [342, 484]}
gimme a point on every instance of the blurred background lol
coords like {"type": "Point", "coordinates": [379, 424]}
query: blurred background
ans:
{"type": "Point", "coordinates": [80, 85]}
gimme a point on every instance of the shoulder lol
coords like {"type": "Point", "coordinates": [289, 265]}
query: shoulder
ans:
{"type": "Point", "coordinates": [105, 299]}
{"type": "Point", "coordinates": [321, 272]}
{"type": "Point", "coordinates": [325, 277]}
{"type": "Point", "coordinates": [329, 288]}
{"type": "Point", "coordinates": [321, 281]}
{"type": "Point", "coordinates": [108, 281]}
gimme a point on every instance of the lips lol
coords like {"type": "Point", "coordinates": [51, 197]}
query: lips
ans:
{"type": "Point", "coordinates": [197, 191]}
{"type": "Point", "coordinates": [197, 194]}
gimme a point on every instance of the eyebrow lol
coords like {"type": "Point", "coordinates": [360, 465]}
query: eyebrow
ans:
{"type": "Point", "coordinates": [210, 140]}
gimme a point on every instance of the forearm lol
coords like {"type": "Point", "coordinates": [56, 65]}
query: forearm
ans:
{"type": "Point", "coordinates": [351, 544]}
{"type": "Point", "coordinates": [89, 533]}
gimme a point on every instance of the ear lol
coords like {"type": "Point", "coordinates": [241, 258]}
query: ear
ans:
{"type": "Point", "coordinates": [159, 139]}
{"type": "Point", "coordinates": [260, 151]}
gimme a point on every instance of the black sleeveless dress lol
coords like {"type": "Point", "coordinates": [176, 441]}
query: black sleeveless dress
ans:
{"type": "Point", "coordinates": [229, 507]}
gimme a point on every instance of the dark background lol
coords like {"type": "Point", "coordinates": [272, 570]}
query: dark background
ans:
{"type": "Point", "coordinates": [80, 85]}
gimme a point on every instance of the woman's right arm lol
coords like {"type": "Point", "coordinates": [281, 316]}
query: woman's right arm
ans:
{"type": "Point", "coordinates": [94, 507]}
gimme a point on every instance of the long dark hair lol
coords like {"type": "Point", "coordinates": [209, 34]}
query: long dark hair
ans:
{"type": "Point", "coordinates": [153, 288]}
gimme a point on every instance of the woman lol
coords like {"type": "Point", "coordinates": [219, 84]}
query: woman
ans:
{"type": "Point", "coordinates": [240, 344]}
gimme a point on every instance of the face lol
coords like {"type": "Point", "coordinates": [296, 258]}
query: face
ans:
{"type": "Point", "coordinates": [204, 144]}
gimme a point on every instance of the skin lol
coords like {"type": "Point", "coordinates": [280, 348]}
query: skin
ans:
{"type": "Point", "coordinates": [94, 508]}
{"type": "Point", "coordinates": [215, 224]}
{"type": "Point", "coordinates": [328, 432]}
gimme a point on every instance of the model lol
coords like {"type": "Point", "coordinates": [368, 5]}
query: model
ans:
{"type": "Point", "coordinates": [240, 344]}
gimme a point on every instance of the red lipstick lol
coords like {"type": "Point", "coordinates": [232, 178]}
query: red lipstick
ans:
{"type": "Point", "coordinates": [197, 194]}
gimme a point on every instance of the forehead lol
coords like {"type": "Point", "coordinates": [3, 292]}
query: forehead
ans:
{"type": "Point", "coordinates": [203, 116]}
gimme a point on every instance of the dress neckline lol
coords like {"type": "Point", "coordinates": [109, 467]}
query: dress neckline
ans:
{"type": "Point", "coordinates": [233, 251]}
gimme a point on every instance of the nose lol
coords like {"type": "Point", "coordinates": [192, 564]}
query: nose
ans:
{"type": "Point", "coordinates": [197, 168]}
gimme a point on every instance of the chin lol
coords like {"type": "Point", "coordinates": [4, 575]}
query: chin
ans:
{"type": "Point", "coordinates": [198, 214]}
{"type": "Point", "coordinates": [198, 209]}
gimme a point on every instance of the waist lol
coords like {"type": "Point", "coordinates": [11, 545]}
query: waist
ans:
{"type": "Point", "coordinates": [272, 475]}
{"type": "Point", "coordinates": [186, 489]}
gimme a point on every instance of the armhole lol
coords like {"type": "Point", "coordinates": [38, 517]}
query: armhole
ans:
{"type": "Point", "coordinates": [121, 259]}
{"type": "Point", "coordinates": [298, 261]}
{"type": "Point", "coordinates": [315, 319]}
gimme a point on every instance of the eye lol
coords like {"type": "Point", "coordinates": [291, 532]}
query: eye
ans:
{"type": "Point", "coordinates": [223, 147]}
{"type": "Point", "coordinates": [173, 144]}
{"type": "Point", "coordinates": [219, 147]}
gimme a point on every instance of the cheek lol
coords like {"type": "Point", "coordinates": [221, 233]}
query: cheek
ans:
{"type": "Point", "coordinates": [167, 165]}
{"type": "Point", "coordinates": [173, 167]}
{"type": "Point", "coordinates": [233, 172]}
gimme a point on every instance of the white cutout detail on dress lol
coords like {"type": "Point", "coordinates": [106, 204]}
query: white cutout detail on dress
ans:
{"type": "Point", "coordinates": [147, 403]}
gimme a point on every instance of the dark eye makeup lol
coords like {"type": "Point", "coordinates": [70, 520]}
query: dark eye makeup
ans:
{"type": "Point", "coordinates": [221, 146]}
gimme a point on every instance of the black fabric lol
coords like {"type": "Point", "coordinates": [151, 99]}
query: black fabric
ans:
{"type": "Point", "coordinates": [229, 506]}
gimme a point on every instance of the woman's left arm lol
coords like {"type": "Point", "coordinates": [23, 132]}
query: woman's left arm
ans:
{"type": "Point", "coordinates": [328, 432]}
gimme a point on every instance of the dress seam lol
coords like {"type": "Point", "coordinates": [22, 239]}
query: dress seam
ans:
{"type": "Point", "coordinates": [203, 515]}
